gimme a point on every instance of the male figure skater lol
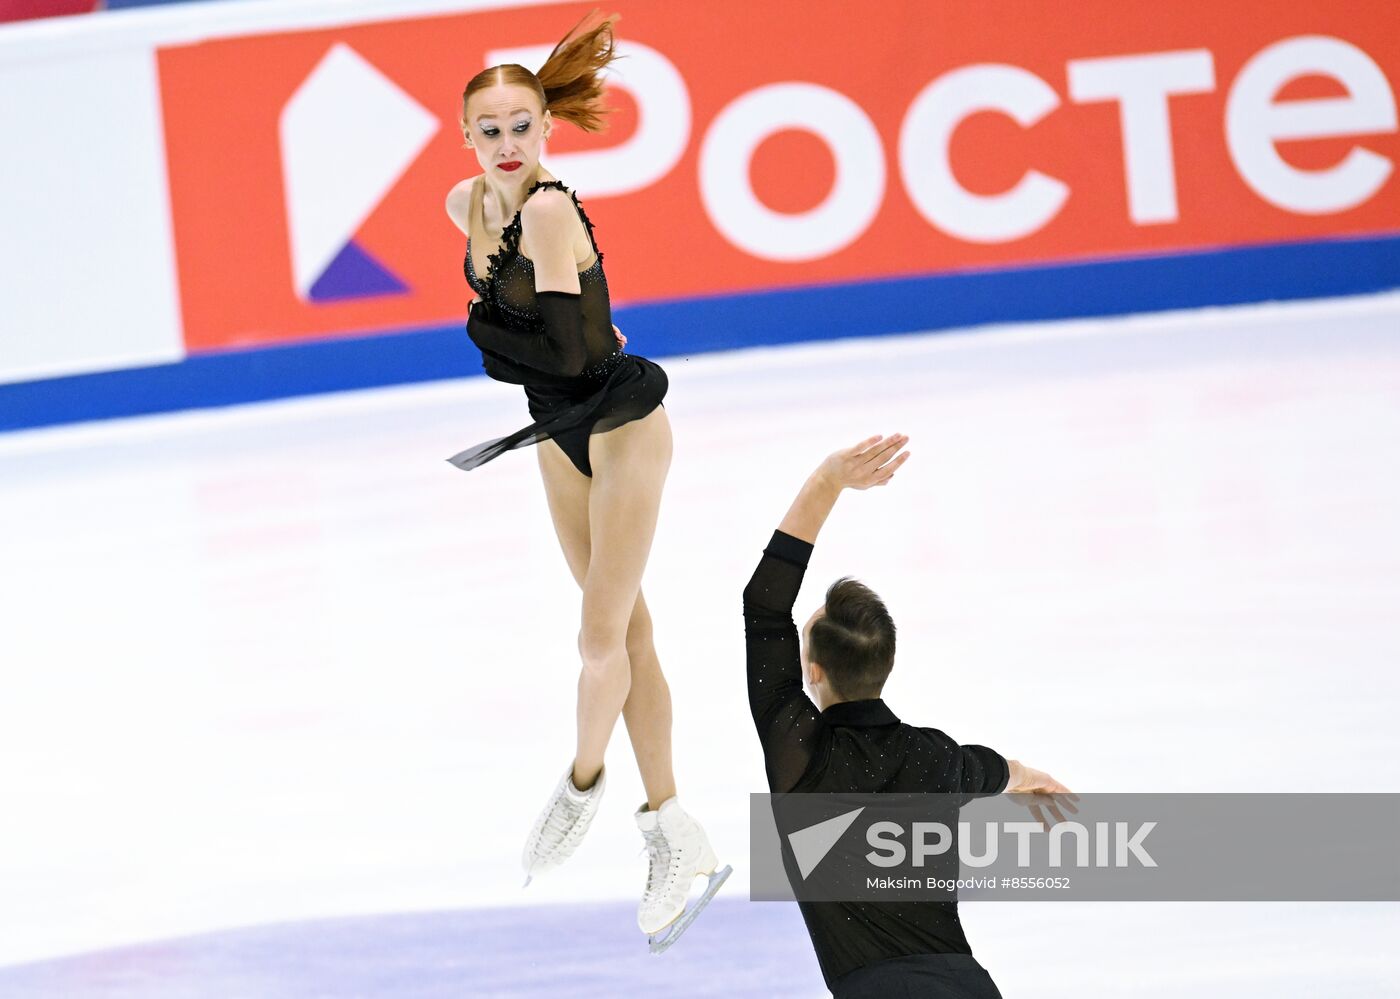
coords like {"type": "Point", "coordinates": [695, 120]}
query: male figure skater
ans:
{"type": "Point", "coordinates": [850, 741]}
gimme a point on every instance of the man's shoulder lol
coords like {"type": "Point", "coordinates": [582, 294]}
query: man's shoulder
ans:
{"type": "Point", "coordinates": [929, 734]}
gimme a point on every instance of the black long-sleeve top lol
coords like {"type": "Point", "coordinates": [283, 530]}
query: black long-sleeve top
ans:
{"type": "Point", "coordinates": [851, 747]}
{"type": "Point", "coordinates": [530, 337]}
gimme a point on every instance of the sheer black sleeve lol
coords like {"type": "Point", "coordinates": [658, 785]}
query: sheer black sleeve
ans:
{"type": "Point", "coordinates": [786, 718]}
{"type": "Point", "coordinates": [982, 771]}
{"type": "Point", "coordinates": [969, 770]}
{"type": "Point", "coordinates": [503, 369]}
{"type": "Point", "coordinates": [559, 349]}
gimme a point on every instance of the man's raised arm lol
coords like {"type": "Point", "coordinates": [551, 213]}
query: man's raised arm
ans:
{"type": "Point", "coordinates": [784, 715]}
{"type": "Point", "coordinates": [781, 710]}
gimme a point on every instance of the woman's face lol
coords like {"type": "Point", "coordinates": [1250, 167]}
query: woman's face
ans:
{"type": "Point", "coordinates": [505, 126]}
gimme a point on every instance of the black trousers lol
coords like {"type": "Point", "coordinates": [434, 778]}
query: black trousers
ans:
{"type": "Point", "coordinates": [919, 976]}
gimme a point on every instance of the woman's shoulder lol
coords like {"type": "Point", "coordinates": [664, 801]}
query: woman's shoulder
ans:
{"type": "Point", "coordinates": [459, 201]}
{"type": "Point", "coordinates": [550, 205]}
{"type": "Point", "coordinates": [554, 200]}
{"type": "Point", "coordinates": [463, 188]}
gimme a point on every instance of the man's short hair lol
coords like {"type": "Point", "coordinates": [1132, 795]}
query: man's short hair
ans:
{"type": "Point", "coordinates": [853, 641]}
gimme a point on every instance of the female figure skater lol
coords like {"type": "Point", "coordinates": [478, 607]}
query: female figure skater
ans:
{"type": "Point", "coordinates": [542, 320]}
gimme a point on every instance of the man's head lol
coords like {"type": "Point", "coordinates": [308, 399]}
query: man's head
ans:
{"type": "Point", "coordinates": [848, 644]}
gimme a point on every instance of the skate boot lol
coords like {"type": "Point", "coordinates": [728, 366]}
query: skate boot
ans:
{"type": "Point", "coordinates": [560, 827]}
{"type": "Point", "coordinates": [678, 851]}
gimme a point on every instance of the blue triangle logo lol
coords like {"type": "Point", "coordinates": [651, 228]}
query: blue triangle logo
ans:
{"type": "Point", "coordinates": [355, 274]}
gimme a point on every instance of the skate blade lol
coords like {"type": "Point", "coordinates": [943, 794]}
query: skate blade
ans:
{"type": "Point", "coordinates": [661, 940]}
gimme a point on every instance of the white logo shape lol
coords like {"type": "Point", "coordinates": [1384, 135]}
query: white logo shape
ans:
{"type": "Point", "coordinates": [810, 845]}
{"type": "Point", "coordinates": [348, 133]}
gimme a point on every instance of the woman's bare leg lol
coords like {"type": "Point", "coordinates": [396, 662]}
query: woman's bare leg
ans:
{"type": "Point", "coordinates": [566, 489]}
{"type": "Point", "coordinates": [647, 710]}
{"type": "Point", "coordinates": [629, 470]}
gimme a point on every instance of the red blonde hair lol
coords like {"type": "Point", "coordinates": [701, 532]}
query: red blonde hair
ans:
{"type": "Point", "coordinates": [567, 85]}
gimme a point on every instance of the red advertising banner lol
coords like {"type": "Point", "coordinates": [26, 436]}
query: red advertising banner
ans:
{"type": "Point", "coordinates": [765, 145]}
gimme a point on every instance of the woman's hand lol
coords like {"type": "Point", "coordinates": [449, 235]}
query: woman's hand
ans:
{"type": "Point", "coordinates": [872, 462]}
{"type": "Point", "coordinates": [621, 340]}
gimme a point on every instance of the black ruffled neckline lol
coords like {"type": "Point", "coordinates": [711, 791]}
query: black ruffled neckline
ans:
{"type": "Point", "coordinates": [510, 235]}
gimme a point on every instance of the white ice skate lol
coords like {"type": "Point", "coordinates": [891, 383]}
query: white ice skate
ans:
{"type": "Point", "coordinates": [678, 851]}
{"type": "Point", "coordinates": [560, 827]}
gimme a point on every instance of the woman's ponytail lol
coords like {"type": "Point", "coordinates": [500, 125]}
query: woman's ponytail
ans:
{"type": "Point", "coordinates": [571, 76]}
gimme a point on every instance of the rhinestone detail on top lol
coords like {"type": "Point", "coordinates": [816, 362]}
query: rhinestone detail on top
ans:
{"type": "Point", "coordinates": [509, 251]}
{"type": "Point", "coordinates": [605, 367]}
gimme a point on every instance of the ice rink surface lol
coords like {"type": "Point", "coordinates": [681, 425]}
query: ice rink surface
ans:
{"type": "Point", "coordinates": [284, 690]}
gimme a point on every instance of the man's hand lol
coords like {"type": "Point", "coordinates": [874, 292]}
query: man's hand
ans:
{"type": "Point", "coordinates": [872, 462]}
{"type": "Point", "coordinates": [1024, 778]}
{"type": "Point", "coordinates": [1036, 789]}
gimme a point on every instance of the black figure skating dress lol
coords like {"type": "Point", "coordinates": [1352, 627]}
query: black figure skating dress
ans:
{"type": "Point", "coordinates": [559, 345]}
